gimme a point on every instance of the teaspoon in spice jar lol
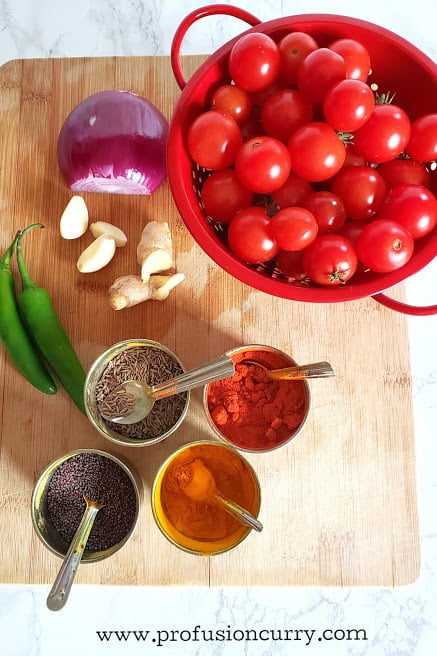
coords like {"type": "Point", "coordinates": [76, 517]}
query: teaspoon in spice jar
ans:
{"type": "Point", "coordinates": [298, 372]}
{"type": "Point", "coordinates": [58, 595]}
{"type": "Point", "coordinates": [198, 483]}
{"type": "Point", "coordinates": [133, 400]}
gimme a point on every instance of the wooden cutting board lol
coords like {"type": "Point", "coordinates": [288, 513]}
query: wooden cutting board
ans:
{"type": "Point", "coordinates": [339, 503]}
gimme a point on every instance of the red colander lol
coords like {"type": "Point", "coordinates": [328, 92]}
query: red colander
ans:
{"type": "Point", "coordinates": [397, 66]}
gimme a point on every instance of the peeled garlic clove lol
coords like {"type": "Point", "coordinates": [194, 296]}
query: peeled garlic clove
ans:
{"type": "Point", "coordinates": [74, 219]}
{"type": "Point", "coordinates": [97, 255]}
{"type": "Point", "coordinates": [101, 228]}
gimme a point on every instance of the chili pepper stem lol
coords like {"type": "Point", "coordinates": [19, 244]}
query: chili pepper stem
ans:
{"type": "Point", "coordinates": [26, 280]}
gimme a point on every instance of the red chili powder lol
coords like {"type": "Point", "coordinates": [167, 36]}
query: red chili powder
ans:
{"type": "Point", "coordinates": [253, 411]}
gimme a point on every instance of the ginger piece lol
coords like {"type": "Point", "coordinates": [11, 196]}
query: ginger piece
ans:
{"type": "Point", "coordinates": [155, 249]}
{"type": "Point", "coordinates": [74, 219]}
{"type": "Point", "coordinates": [103, 228]}
{"type": "Point", "coordinates": [128, 291]}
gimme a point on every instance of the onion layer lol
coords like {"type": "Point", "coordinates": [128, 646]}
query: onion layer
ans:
{"type": "Point", "coordinates": [113, 142]}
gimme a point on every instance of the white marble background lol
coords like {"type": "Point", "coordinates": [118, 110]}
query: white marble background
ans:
{"type": "Point", "coordinates": [400, 622]}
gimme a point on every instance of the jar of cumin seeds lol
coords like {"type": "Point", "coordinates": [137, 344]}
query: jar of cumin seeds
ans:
{"type": "Point", "coordinates": [136, 359]}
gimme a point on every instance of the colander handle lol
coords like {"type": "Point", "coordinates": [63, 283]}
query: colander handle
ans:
{"type": "Point", "coordinates": [412, 310]}
{"type": "Point", "coordinates": [191, 18]}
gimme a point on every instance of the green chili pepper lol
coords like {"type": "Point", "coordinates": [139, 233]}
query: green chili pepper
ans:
{"type": "Point", "coordinates": [15, 338]}
{"type": "Point", "coordinates": [47, 332]}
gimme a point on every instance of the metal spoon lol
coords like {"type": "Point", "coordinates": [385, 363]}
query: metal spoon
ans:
{"type": "Point", "coordinates": [298, 372]}
{"type": "Point", "coordinates": [136, 398]}
{"type": "Point", "coordinates": [202, 487]}
{"type": "Point", "coordinates": [58, 595]}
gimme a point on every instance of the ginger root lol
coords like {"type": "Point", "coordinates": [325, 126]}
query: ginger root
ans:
{"type": "Point", "coordinates": [128, 291]}
{"type": "Point", "coordinates": [155, 249]}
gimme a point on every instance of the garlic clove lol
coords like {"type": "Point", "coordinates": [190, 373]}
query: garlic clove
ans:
{"type": "Point", "coordinates": [74, 219]}
{"type": "Point", "coordinates": [102, 227]}
{"type": "Point", "coordinates": [97, 255]}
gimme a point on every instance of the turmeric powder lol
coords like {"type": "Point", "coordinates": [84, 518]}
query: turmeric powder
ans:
{"type": "Point", "coordinates": [194, 520]}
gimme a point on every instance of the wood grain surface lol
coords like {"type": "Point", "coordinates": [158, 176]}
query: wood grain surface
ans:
{"type": "Point", "coordinates": [338, 504]}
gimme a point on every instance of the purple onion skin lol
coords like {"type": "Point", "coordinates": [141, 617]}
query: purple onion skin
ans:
{"type": "Point", "coordinates": [114, 142]}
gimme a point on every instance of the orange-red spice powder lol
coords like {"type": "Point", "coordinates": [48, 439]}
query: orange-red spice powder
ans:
{"type": "Point", "coordinates": [253, 411]}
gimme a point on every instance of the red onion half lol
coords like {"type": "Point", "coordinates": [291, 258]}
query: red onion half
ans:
{"type": "Point", "coordinates": [114, 142]}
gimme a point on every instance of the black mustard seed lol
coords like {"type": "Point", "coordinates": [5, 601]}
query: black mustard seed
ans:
{"type": "Point", "coordinates": [100, 479]}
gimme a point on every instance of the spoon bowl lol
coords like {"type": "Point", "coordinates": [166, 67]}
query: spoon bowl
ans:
{"type": "Point", "coordinates": [133, 400]}
{"type": "Point", "coordinates": [60, 590]}
{"type": "Point", "coordinates": [202, 487]}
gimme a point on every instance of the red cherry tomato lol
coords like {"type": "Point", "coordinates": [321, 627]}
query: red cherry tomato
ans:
{"type": "Point", "coordinates": [318, 72]}
{"type": "Point", "coordinates": [328, 210]}
{"type": "Point", "coordinates": [352, 229]}
{"type": "Point", "coordinates": [385, 135]}
{"type": "Point", "coordinates": [356, 57]}
{"type": "Point", "coordinates": [234, 101]}
{"type": "Point", "coordinates": [414, 207]}
{"type": "Point", "coordinates": [384, 245]}
{"type": "Point", "coordinates": [423, 139]}
{"type": "Point", "coordinates": [353, 156]}
{"type": "Point", "coordinates": [294, 228]}
{"type": "Point", "coordinates": [290, 264]}
{"type": "Point", "coordinates": [293, 48]}
{"type": "Point", "coordinates": [284, 112]}
{"type": "Point", "coordinates": [292, 193]}
{"type": "Point", "coordinates": [316, 152]}
{"type": "Point", "coordinates": [348, 105]}
{"type": "Point", "coordinates": [262, 164]}
{"type": "Point", "coordinates": [213, 139]}
{"type": "Point", "coordinates": [330, 260]}
{"type": "Point", "coordinates": [223, 195]}
{"type": "Point", "coordinates": [361, 189]}
{"type": "Point", "coordinates": [404, 171]}
{"type": "Point", "coordinates": [249, 236]}
{"type": "Point", "coordinates": [254, 61]}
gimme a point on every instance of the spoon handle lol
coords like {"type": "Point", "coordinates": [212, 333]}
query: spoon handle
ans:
{"type": "Point", "coordinates": [58, 595]}
{"type": "Point", "coordinates": [314, 370]}
{"type": "Point", "coordinates": [240, 513]}
{"type": "Point", "coordinates": [217, 370]}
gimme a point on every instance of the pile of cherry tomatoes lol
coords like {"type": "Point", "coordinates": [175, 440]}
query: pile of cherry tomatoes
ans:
{"type": "Point", "coordinates": [310, 168]}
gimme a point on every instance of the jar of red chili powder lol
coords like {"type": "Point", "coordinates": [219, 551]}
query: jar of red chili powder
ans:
{"type": "Point", "coordinates": [252, 411]}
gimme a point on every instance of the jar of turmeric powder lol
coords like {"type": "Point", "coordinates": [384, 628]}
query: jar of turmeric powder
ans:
{"type": "Point", "coordinates": [251, 411]}
{"type": "Point", "coordinates": [184, 497]}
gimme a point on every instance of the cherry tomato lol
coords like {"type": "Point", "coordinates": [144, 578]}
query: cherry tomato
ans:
{"type": "Point", "coordinates": [254, 61]}
{"type": "Point", "coordinates": [290, 264]}
{"type": "Point", "coordinates": [284, 112]}
{"type": "Point", "coordinates": [414, 207]}
{"type": "Point", "coordinates": [404, 171]}
{"type": "Point", "coordinates": [348, 105]}
{"type": "Point", "coordinates": [213, 139]}
{"type": "Point", "coordinates": [423, 139]}
{"type": "Point", "coordinates": [316, 152]}
{"type": "Point", "coordinates": [293, 48]}
{"type": "Point", "coordinates": [223, 195]}
{"type": "Point", "coordinates": [385, 135]}
{"type": "Point", "coordinates": [234, 101]}
{"type": "Point", "coordinates": [249, 236]}
{"type": "Point", "coordinates": [356, 57]}
{"type": "Point", "coordinates": [262, 164]}
{"type": "Point", "coordinates": [318, 72]}
{"type": "Point", "coordinates": [328, 210]}
{"type": "Point", "coordinates": [352, 229]}
{"type": "Point", "coordinates": [292, 193]}
{"type": "Point", "coordinates": [384, 245]}
{"type": "Point", "coordinates": [353, 156]}
{"type": "Point", "coordinates": [330, 260]}
{"type": "Point", "coordinates": [294, 228]}
{"type": "Point", "coordinates": [361, 189]}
